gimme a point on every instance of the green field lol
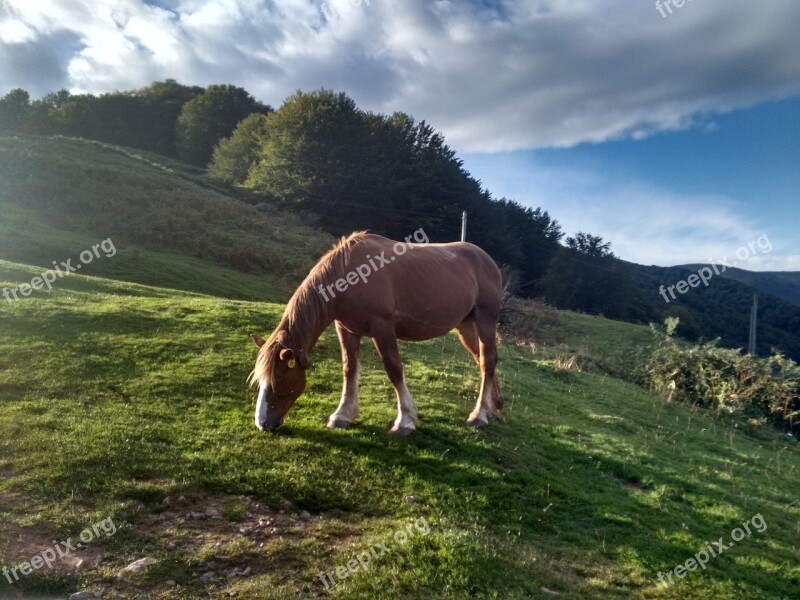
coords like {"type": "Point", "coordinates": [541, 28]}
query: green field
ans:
{"type": "Point", "coordinates": [123, 397]}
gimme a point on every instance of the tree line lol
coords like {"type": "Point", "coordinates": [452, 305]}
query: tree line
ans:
{"type": "Point", "coordinates": [322, 156]}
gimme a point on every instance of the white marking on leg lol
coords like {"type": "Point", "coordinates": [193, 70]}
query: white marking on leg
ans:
{"type": "Point", "coordinates": [406, 409]}
{"type": "Point", "coordinates": [484, 407]}
{"type": "Point", "coordinates": [261, 407]}
{"type": "Point", "coordinates": [348, 404]}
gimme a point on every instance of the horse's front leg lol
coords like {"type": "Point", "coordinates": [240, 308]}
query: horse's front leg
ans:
{"type": "Point", "coordinates": [351, 365]}
{"type": "Point", "coordinates": [386, 344]}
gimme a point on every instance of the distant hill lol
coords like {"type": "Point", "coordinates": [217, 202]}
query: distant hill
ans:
{"type": "Point", "coordinates": [721, 310]}
{"type": "Point", "coordinates": [783, 284]}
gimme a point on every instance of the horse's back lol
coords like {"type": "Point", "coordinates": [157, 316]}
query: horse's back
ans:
{"type": "Point", "coordinates": [439, 284]}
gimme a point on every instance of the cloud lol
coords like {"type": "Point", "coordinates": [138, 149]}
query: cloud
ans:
{"type": "Point", "coordinates": [493, 75]}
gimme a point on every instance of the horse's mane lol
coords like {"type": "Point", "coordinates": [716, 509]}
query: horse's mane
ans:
{"type": "Point", "coordinates": [306, 312]}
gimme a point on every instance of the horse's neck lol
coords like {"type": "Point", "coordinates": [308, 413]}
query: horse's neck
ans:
{"type": "Point", "coordinates": [306, 330]}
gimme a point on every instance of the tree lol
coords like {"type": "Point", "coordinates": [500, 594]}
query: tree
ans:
{"type": "Point", "coordinates": [590, 245]}
{"type": "Point", "coordinates": [164, 101]}
{"type": "Point", "coordinates": [234, 156]}
{"type": "Point", "coordinates": [314, 154]}
{"type": "Point", "coordinates": [586, 276]}
{"type": "Point", "coordinates": [211, 116]}
{"type": "Point", "coordinates": [14, 108]}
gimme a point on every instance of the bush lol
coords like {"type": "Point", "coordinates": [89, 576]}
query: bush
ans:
{"type": "Point", "coordinates": [723, 379]}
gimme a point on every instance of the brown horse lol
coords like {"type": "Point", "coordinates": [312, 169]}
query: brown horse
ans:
{"type": "Point", "coordinates": [375, 287]}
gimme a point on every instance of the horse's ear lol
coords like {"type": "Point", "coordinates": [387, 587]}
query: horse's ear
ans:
{"type": "Point", "coordinates": [259, 341]}
{"type": "Point", "coordinates": [287, 356]}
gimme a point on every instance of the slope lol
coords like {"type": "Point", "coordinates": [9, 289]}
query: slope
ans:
{"type": "Point", "coordinates": [59, 196]}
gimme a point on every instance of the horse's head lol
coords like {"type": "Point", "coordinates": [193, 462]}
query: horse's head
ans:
{"type": "Point", "coordinates": [281, 376]}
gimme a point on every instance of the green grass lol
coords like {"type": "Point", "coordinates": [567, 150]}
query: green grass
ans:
{"type": "Point", "coordinates": [58, 196]}
{"type": "Point", "coordinates": [116, 395]}
{"type": "Point", "coordinates": [127, 386]}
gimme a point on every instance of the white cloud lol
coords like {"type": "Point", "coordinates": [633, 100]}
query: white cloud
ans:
{"type": "Point", "coordinates": [492, 75]}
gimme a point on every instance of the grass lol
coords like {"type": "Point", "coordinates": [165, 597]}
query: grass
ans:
{"type": "Point", "coordinates": [118, 395]}
{"type": "Point", "coordinates": [123, 397]}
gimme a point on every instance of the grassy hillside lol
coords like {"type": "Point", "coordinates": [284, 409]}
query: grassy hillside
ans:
{"type": "Point", "coordinates": [58, 196]}
{"type": "Point", "coordinates": [128, 402]}
{"type": "Point", "coordinates": [116, 396]}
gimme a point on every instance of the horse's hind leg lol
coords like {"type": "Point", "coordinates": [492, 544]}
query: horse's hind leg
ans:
{"type": "Point", "coordinates": [351, 365]}
{"type": "Point", "coordinates": [406, 422]}
{"type": "Point", "coordinates": [480, 339]}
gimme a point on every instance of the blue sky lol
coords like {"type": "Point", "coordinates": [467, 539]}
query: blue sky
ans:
{"type": "Point", "coordinates": [673, 136]}
{"type": "Point", "coordinates": [729, 178]}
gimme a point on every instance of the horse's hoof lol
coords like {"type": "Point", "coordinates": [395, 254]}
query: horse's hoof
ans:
{"type": "Point", "coordinates": [339, 424]}
{"type": "Point", "coordinates": [478, 423]}
{"type": "Point", "coordinates": [401, 431]}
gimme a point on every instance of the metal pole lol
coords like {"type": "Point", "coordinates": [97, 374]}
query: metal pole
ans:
{"type": "Point", "coordinates": [464, 226]}
{"type": "Point", "coordinates": [753, 325]}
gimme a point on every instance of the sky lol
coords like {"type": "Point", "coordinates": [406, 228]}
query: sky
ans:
{"type": "Point", "coordinates": [672, 132]}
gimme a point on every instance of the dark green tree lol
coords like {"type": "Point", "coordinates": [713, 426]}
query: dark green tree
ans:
{"type": "Point", "coordinates": [234, 156]}
{"type": "Point", "coordinates": [211, 116]}
{"type": "Point", "coordinates": [14, 109]}
{"type": "Point", "coordinates": [586, 276]}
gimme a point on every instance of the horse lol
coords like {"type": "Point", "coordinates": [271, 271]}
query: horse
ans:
{"type": "Point", "coordinates": [387, 290]}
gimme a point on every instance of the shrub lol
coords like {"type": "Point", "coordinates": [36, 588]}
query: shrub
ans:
{"type": "Point", "coordinates": [723, 379]}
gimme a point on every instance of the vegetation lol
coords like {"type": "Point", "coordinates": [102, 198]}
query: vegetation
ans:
{"type": "Point", "coordinates": [128, 401]}
{"type": "Point", "coordinates": [724, 380]}
{"type": "Point", "coordinates": [345, 169]}
{"type": "Point", "coordinates": [165, 221]}
{"type": "Point", "coordinates": [211, 116]}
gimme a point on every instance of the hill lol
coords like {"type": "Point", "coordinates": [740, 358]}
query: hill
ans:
{"type": "Point", "coordinates": [721, 310]}
{"type": "Point", "coordinates": [781, 284]}
{"type": "Point", "coordinates": [127, 402]}
{"type": "Point", "coordinates": [59, 196]}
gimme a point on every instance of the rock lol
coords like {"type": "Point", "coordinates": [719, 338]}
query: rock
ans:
{"type": "Point", "coordinates": [246, 572]}
{"type": "Point", "coordinates": [167, 501]}
{"type": "Point", "coordinates": [208, 576]}
{"type": "Point", "coordinates": [170, 583]}
{"type": "Point", "coordinates": [410, 499]}
{"type": "Point", "coordinates": [285, 504]}
{"type": "Point", "coordinates": [305, 515]}
{"type": "Point", "coordinates": [233, 574]}
{"type": "Point", "coordinates": [80, 565]}
{"type": "Point", "coordinates": [85, 595]}
{"type": "Point", "coordinates": [99, 593]}
{"type": "Point", "coordinates": [213, 513]}
{"type": "Point", "coordinates": [183, 500]}
{"type": "Point", "coordinates": [136, 567]}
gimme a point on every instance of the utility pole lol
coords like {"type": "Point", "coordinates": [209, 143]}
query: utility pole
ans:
{"type": "Point", "coordinates": [751, 347]}
{"type": "Point", "coordinates": [464, 226]}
